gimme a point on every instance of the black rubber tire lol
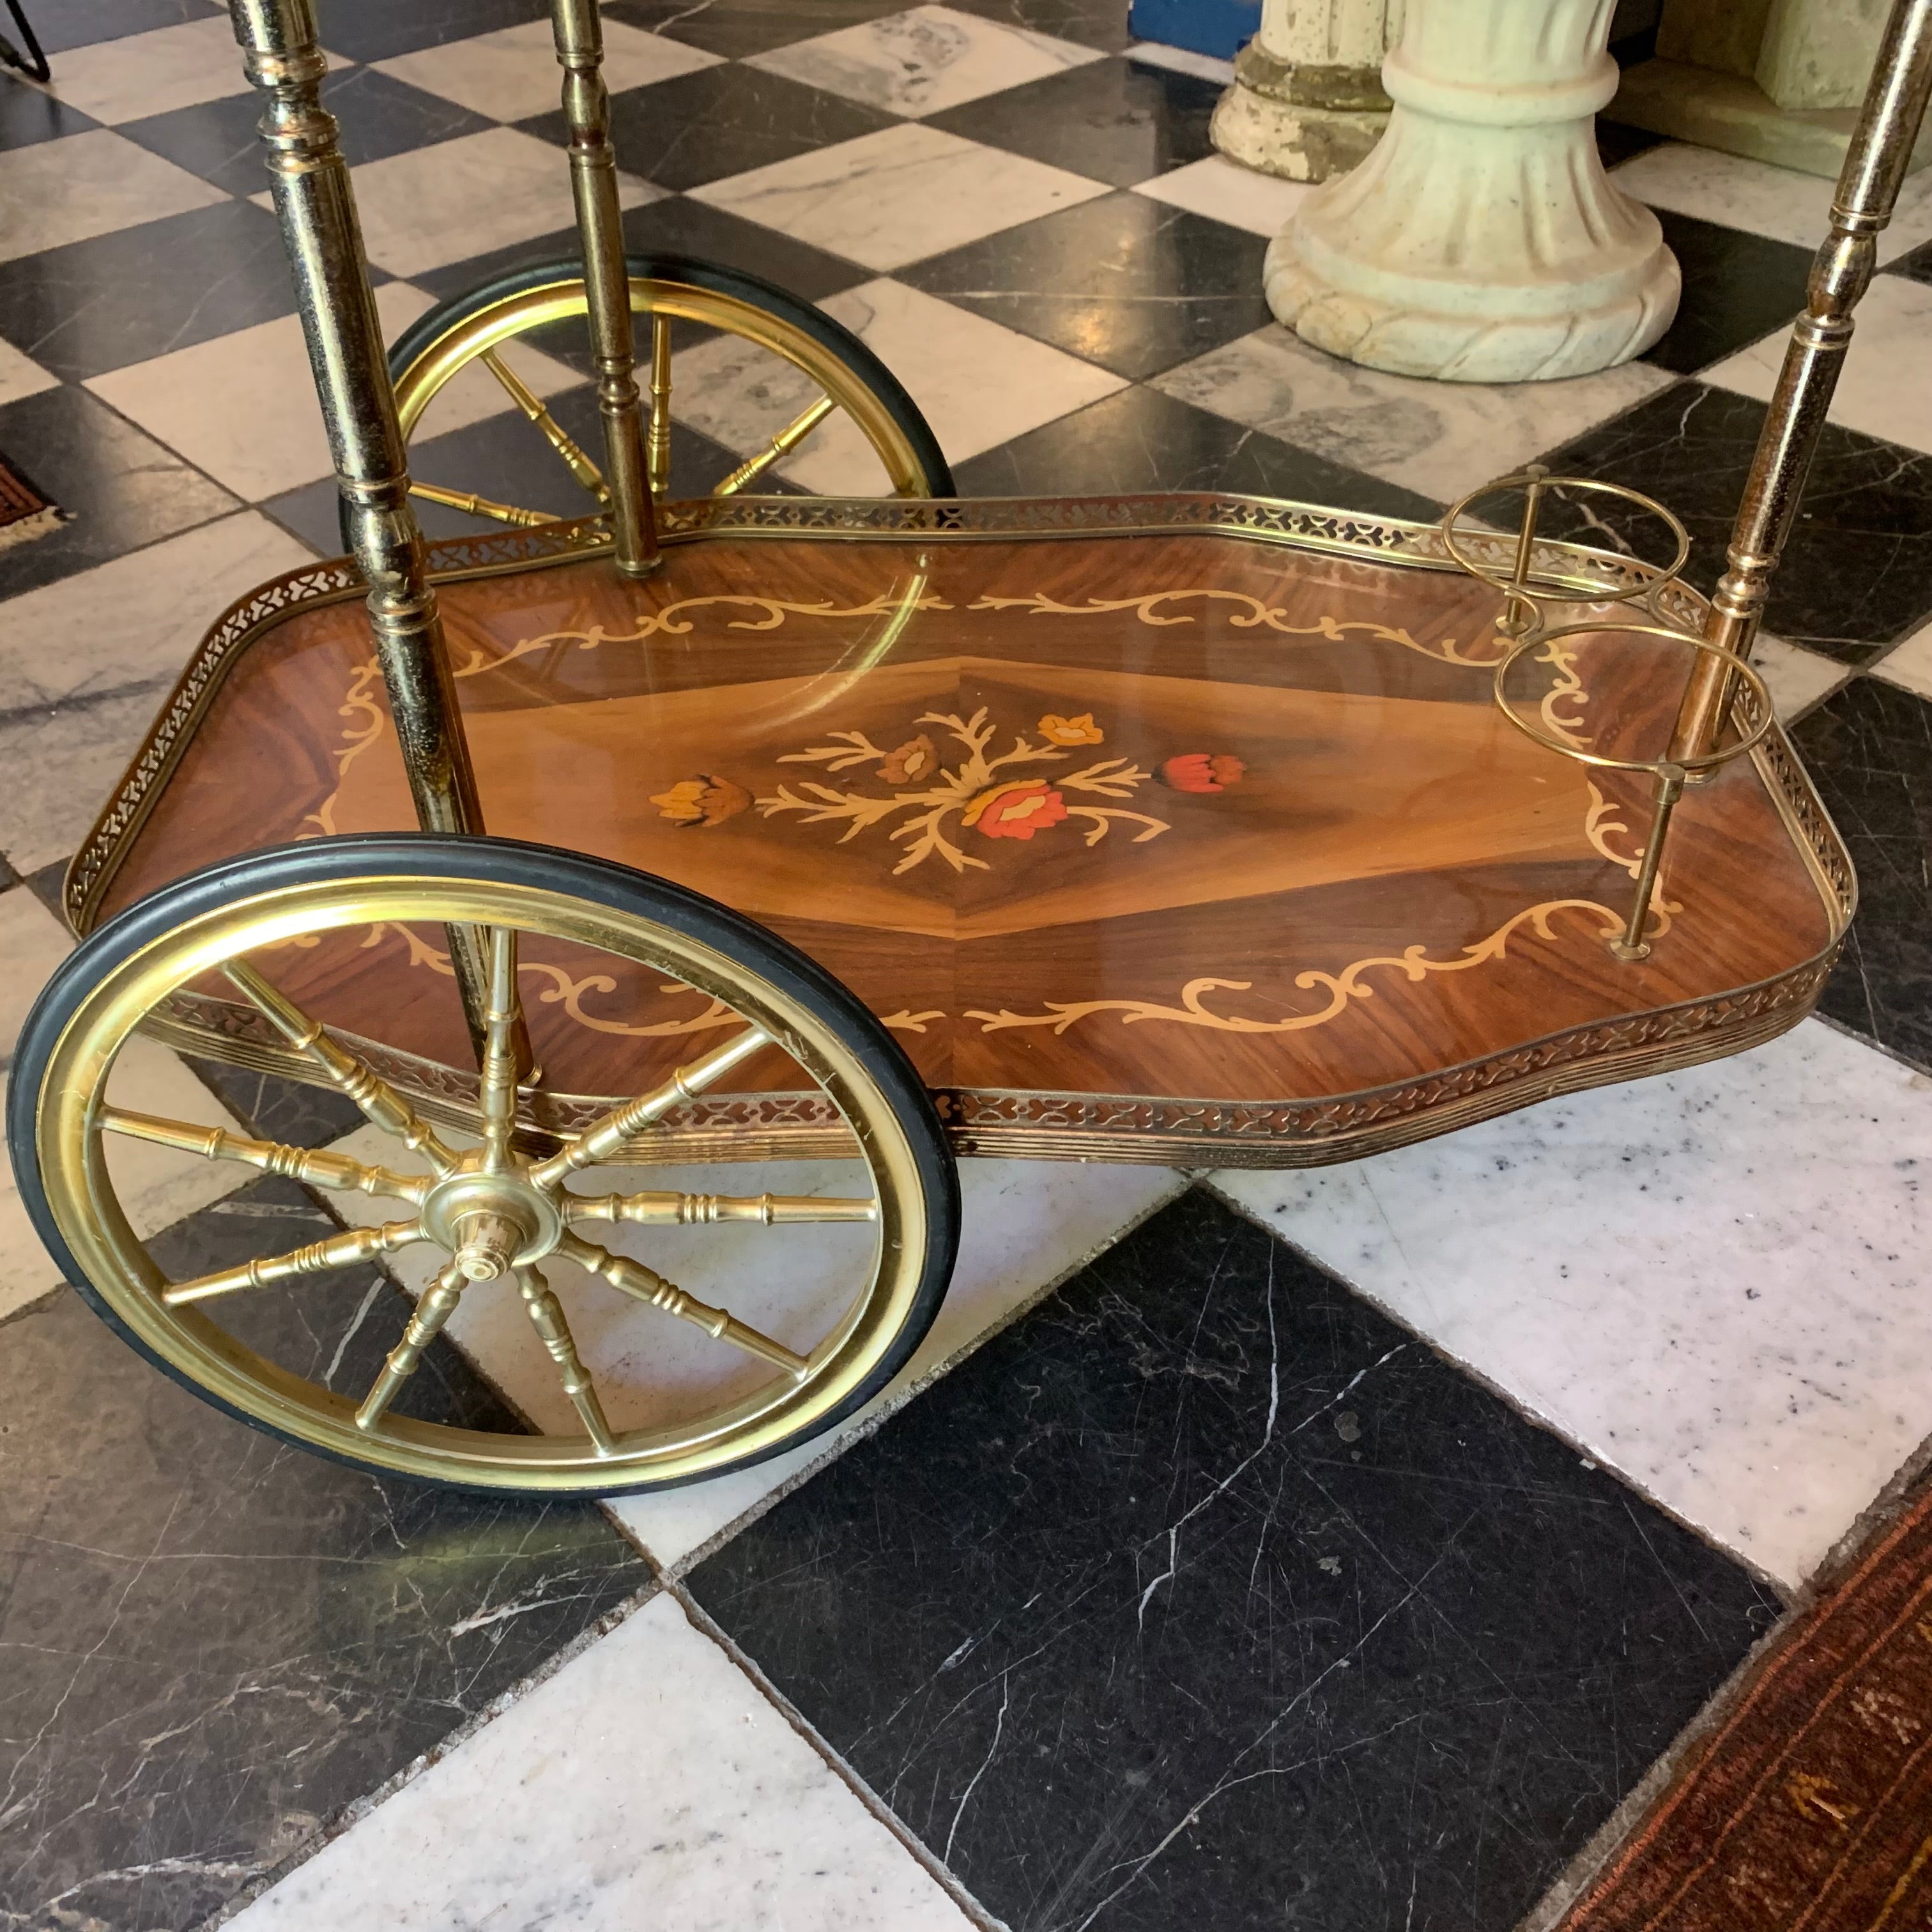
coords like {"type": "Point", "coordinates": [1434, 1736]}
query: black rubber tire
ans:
{"type": "Point", "coordinates": [834, 338]}
{"type": "Point", "coordinates": [599, 880]}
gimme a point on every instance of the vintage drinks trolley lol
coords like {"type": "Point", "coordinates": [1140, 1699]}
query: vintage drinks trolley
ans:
{"type": "Point", "coordinates": [1197, 830]}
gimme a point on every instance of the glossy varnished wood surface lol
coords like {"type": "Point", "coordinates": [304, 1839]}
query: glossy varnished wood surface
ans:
{"type": "Point", "coordinates": [1243, 825]}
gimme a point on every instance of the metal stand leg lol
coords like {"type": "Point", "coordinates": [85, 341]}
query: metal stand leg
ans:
{"type": "Point", "coordinates": [324, 240]}
{"type": "Point", "coordinates": [1875, 166]}
{"type": "Point", "coordinates": [593, 180]}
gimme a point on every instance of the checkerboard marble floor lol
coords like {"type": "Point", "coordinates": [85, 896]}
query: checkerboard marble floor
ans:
{"type": "Point", "coordinates": [1336, 1549]}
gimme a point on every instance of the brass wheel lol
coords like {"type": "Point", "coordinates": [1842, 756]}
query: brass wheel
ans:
{"type": "Point", "coordinates": [491, 1216]}
{"type": "Point", "coordinates": [751, 367]}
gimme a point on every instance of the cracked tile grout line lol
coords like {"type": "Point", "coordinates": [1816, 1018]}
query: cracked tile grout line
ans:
{"type": "Point", "coordinates": [702, 1620]}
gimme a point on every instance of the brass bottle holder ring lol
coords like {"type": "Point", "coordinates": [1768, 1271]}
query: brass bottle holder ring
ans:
{"type": "Point", "coordinates": [1524, 592]}
{"type": "Point", "coordinates": [1525, 622]}
{"type": "Point", "coordinates": [1670, 773]}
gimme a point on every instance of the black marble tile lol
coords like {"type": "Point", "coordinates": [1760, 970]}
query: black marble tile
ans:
{"type": "Point", "coordinates": [1616, 142]}
{"type": "Point", "coordinates": [27, 116]}
{"type": "Point", "coordinates": [373, 30]}
{"type": "Point", "coordinates": [121, 489]}
{"type": "Point", "coordinates": [275, 1109]}
{"type": "Point", "coordinates": [738, 27]}
{"type": "Point", "coordinates": [219, 140]}
{"type": "Point", "coordinates": [45, 883]}
{"type": "Point", "coordinates": [146, 290]}
{"type": "Point", "coordinates": [1868, 748]}
{"type": "Point", "coordinates": [211, 1643]}
{"type": "Point", "coordinates": [1090, 23]}
{"type": "Point", "coordinates": [1857, 575]}
{"type": "Point", "coordinates": [1204, 1595]}
{"type": "Point", "coordinates": [1737, 287]}
{"type": "Point", "coordinates": [718, 122]}
{"type": "Point", "coordinates": [1117, 121]}
{"type": "Point", "coordinates": [1138, 439]}
{"type": "Point", "coordinates": [1916, 264]}
{"type": "Point", "coordinates": [60, 24]}
{"type": "Point", "coordinates": [1124, 281]}
{"type": "Point", "coordinates": [679, 226]}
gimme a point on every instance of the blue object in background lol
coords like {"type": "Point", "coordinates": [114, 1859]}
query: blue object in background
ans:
{"type": "Point", "coordinates": [1217, 27]}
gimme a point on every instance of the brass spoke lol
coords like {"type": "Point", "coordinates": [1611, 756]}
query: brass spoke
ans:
{"type": "Point", "coordinates": [546, 1314]}
{"type": "Point", "coordinates": [472, 505]}
{"type": "Point", "coordinates": [560, 439]}
{"type": "Point", "coordinates": [373, 1095]}
{"type": "Point", "coordinates": [647, 1285]}
{"type": "Point", "coordinates": [788, 439]}
{"type": "Point", "coordinates": [603, 1137]}
{"type": "Point", "coordinates": [694, 1210]}
{"type": "Point", "coordinates": [657, 443]}
{"type": "Point", "coordinates": [425, 1323]}
{"type": "Point", "coordinates": [346, 1249]}
{"type": "Point", "coordinates": [335, 1171]}
{"type": "Point", "coordinates": [496, 1094]}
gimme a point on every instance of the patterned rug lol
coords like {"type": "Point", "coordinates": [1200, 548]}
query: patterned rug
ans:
{"type": "Point", "coordinates": [25, 514]}
{"type": "Point", "coordinates": [1809, 1808]}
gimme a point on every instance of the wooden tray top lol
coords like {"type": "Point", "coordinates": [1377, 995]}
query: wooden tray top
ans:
{"type": "Point", "coordinates": [1180, 828]}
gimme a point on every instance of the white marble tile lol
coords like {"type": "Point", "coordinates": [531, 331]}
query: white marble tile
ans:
{"type": "Point", "coordinates": [71, 189]}
{"type": "Point", "coordinates": [21, 376]}
{"type": "Point", "coordinates": [1224, 190]}
{"type": "Point", "coordinates": [242, 407]}
{"type": "Point", "coordinates": [899, 195]}
{"type": "Point", "coordinates": [154, 73]}
{"type": "Point", "coordinates": [87, 661]}
{"type": "Point", "coordinates": [1885, 386]}
{"type": "Point", "coordinates": [1911, 664]}
{"type": "Point", "coordinates": [1797, 678]}
{"type": "Point", "coordinates": [435, 205]}
{"type": "Point", "coordinates": [512, 74]}
{"type": "Point", "coordinates": [976, 382]}
{"type": "Point", "coordinates": [1026, 1223]}
{"type": "Point", "coordinates": [1183, 60]}
{"type": "Point", "coordinates": [1714, 1281]}
{"type": "Point", "coordinates": [1440, 438]}
{"type": "Point", "coordinates": [923, 60]}
{"type": "Point", "coordinates": [649, 1784]}
{"type": "Point", "coordinates": [1779, 202]}
{"type": "Point", "coordinates": [156, 1188]}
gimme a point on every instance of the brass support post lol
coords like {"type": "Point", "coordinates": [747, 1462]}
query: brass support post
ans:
{"type": "Point", "coordinates": [316, 209]}
{"type": "Point", "coordinates": [1875, 165]}
{"type": "Point", "coordinates": [593, 181]}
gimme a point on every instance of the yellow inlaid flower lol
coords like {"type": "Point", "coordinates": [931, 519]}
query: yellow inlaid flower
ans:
{"type": "Point", "coordinates": [705, 800]}
{"type": "Point", "coordinates": [1080, 731]}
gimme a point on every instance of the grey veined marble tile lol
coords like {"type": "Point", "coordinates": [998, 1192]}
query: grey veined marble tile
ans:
{"type": "Point", "coordinates": [1714, 1280]}
{"type": "Point", "coordinates": [648, 1784]}
{"type": "Point", "coordinates": [923, 60]}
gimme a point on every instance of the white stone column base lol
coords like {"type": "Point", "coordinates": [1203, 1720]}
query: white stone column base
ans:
{"type": "Point", "coordinates": [1481, 241]}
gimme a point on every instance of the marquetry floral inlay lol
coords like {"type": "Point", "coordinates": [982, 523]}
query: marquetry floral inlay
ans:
{"type": "Point", "coordinates": [966, 788]}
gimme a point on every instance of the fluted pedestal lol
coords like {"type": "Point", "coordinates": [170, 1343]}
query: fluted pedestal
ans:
{"type": "Point", "coordinates": [1481, 242]}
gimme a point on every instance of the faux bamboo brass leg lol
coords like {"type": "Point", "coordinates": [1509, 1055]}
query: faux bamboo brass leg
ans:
{"type": "Point", "coordinates": [593, 178]}
{"type": "Point", "coordinates": [316, 209]}
{"type": "Point", "coordinates": [660, 439]}
{"type": "Point", "coordinates": [1875, 165]}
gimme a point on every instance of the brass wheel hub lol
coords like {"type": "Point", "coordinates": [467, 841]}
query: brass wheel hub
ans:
{"type": "Point", "coordinates": [492, 1223]}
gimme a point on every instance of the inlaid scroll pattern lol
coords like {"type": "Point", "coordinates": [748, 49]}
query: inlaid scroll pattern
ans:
{"type": "Point", "coordinates": [1343, 988]}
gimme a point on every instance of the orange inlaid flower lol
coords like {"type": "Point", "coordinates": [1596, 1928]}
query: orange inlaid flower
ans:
{"type": "Point", "coordinates": [1080, 731]}
{"type": "Point", "coordinates": [1203, 771]}
{"type": "Point", "coordinates": [909, 763]}
{"type": "Point", "coordinates": [704, 800]}
{"type": "Point", "coordinates": [1016, 811]}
